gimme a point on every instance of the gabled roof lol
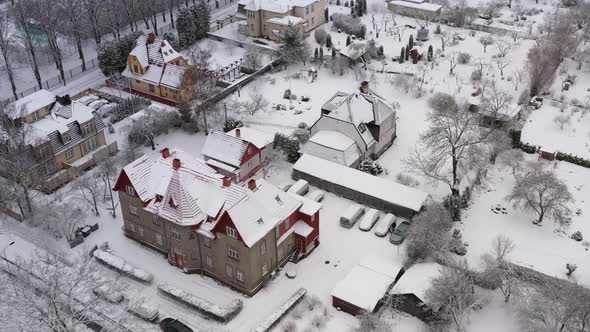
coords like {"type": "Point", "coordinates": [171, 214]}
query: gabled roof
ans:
{"type": "Point", "coordinates": [31, 103]}
{"type": "Point", "coordinates": [355, 50]}
{"type": "Point", "coordinates": [260, 139]}
{"type": "Point", "coordinates": [334, 146]}
{"type": "Point", "coordinates": [417, 279]}
{"type": "Point", "coordinates": [225, 148]}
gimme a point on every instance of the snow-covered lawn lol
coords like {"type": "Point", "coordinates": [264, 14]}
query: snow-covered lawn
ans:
{"type": "Point", "coordinates": [541, 129]}
{"type": "Point", "coordinates": [546, 248]}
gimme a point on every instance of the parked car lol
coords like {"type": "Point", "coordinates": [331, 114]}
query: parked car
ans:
{"type": "Point", "coordinates": [399, 234]}
{"type": "Point", "coordinates": [316, 195]}
{"type": "Point", "coordinates": [174, 325]}
{"type": "Point", "coordinates": [369, 219]}
{"type": "Point", "coordinates": [385, 225]}
{"type": "Point", "coordinates": [106, 109]}
{"type": "Point", "coordinates": [144, 311]}
{"type": "Point", "coordinates": [98, 103]}
{"type": "Point", "coordinates": [85, 230]}
{"type": "Point", "coordinates": [301, 187]}
{"type": "Point", "coordinates": [351, 215]}
{"type": "Point", "coordinates": [536, 102]}
{"type": "Point", "coordinates": [108, 294]}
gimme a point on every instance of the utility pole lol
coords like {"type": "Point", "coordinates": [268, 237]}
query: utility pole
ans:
{"type": "Point", "coordinates": [6, 259]}
{"type": "Point", "coordinates": [225, 113]}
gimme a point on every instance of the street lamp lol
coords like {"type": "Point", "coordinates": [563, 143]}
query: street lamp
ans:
{"type": "Point", "coordinates": [6, 259]}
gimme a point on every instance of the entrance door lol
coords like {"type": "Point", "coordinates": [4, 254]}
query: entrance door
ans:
{"type": "Point", "coordinates": [179, 261]}
{"type": "Point", "coordinates": [300, 243]}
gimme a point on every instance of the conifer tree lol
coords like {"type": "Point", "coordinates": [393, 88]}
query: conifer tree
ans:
{"type": "Point", "coordinates": [294, 47]}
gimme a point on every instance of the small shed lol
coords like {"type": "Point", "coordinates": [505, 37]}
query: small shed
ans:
{"type": "Point", "coordinates": [411, 290]}
{"type": "Point", "coordinates": [355, 51]}
{"type": "Point", "coordinates": [547, 153]}
{"type": "Point", "coordinates": [366, 284]}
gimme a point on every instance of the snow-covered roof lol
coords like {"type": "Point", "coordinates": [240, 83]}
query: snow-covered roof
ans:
{"type": "Point", "coordinates": [260, 139]}
{"type": "Point", "coordinates": [366, 284]}
{"type": "Point", "coordinates": [368, 184]}
{"type": "Point", "coordinates": [261, 211]}
{"type": "Point", "coordinates": [417, 279]}
{"type": "Point", "coordinates": [275, 6]}
{"type": "Point", "coordinates": [423, 6]}
{"type": "Point", "coordinates": [286, 20]}
{"type": "Point", "coordinates": [302, 229]}
{"type": "Point", "coordinates": [309, 207]}
{"type": "Point", "coordinates": [334, 146]}
{"type": "Point", "coordinates": [355, 49]}
{"type": "Point", "coordinates": [172, 76]}
{"type": "Point", "coordinates": [31, 103]}
{"type": "Point", "coordinates": [225, 148]}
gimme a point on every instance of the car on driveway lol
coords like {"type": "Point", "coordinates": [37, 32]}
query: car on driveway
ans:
{"type": "Point", "coordinates": [369, 219]}
{"type": "Point", "coordinates": [173, 325]}
{"type": "Point", "coordinates": [351, 215]}
{"type": "Point", "coordinates": [385, 225]}
{"type": "Point", "coordinates": [400, 232]}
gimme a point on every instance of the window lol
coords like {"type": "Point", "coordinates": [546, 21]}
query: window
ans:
{"type": "Point", "coordinates": [312, 20]}
{"type": "Point", "coordinates": [239, 275]}
{"type": "Point", "coordinates": [69, 153]}
{"type": "Point", "coordinates": [229, 271]}
{"type": "Point", "coordinates": [231, 232]}
{"type": "Point", "coordinates": [277, 233]}
{"type": "Point", "coordinates": [232, 252]}
{"type": "Point", "coordinates": [133, 210]}
{"type": "Point", "coordinates": [264, 269]}
{"type": "Point", "coordinates": [290, 244]}
{"type": "Point", "coordinates": [35, 116]}
{"type": "Point", "coordinates": [192, 235]}
{"type": "Point", "coordinates": [89, 144]}
{"type": "Point", "coordinates": [45, 152]}
{"type": "Point", "coordinates": [280, 252]}
{"type": "Point", "coordinates": [132, 227]}
{"type": "Point", "coordinates": [140, 230]}
{"type": "Point", "coordinates": [137, 81]}
{"type": "Point", "coordinates": [135, 69]}
{"type": "Point", "coordinates": [307, 11]}
{"type": "Point", "coordinates": [152, 89]}
{"type": "Point", "coordinates": [207, 242]}
{"type": "Point", "coordinates": [155, 219]}
{"type": "Point", "coordinates": [86, 130]}
{"type": "Point", "coordinates": [130, 190]}
{"type": "Point", "coordinates": [209, 261]}
{"type": "Point", "coordinates": [263, 248]}
{"type": "Point", "coordinates": [47, 168]}
{"type": "Point", "coordinates": [159, 239]}
{"type": "Point", "coordinates": [175, 234]}
{"type": "Point", "coordinates": [65, 137]}
{"type": "Point", "coordinates": [194, 255]}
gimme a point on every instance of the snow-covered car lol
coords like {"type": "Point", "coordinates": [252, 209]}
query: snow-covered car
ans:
{"type": "Point", "coordinates": [108, 294]}
{"type": "Point", "coordinates": [144, 311]}
{"type": "Point", "coordinates": [400, 233]}
{"type": "Point", "coordinates": [173, 325]}
{"type": "Point", "coordinates": [98, 103]}
{"type": "Point", "coordinates": [285, 186]}
{"type": "Point", "coordinates": [536, 102]}
{"type": "Point", "coordinates": [351, 215]}
{"type": "Point", "coordinates": [106, 109]}
{"type": "Point", "coordinates": [88, 99]}
{"type": "Point", "coordinates": [301, 187]}
{"type": "Point", "coordinates": [316, 195]}
{"type": "Point", "coordinates": [369, 219]}
{"type": "Point", "coordinates": [385, 224]}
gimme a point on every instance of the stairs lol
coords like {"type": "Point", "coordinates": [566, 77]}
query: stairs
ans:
{"type": "Point", "coordinates": [294, 257]}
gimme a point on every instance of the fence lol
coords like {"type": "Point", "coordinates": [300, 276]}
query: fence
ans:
{"type": "Point", "coordinates": [69, 74]}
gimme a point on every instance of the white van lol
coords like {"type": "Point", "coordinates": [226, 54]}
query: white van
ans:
{"type": "Point", "coordinates": [301, 187]}
{"type": "Point", "coordinates": [108, 294]}
{"type": "Point", "coordinates": [316, 195]}
{"type": "Point", "coordinates": [385, 224]}
{"type": "Point", "coordinates": [369, 219]}
{"type": "Point", "coordinates": [351, 215]}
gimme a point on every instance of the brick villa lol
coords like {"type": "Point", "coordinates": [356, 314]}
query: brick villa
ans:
{"type": "Point", "coordinates": [178, 205]}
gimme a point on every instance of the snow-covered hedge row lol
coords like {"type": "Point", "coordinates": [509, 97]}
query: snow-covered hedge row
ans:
{"type": "Point", "coordinates": [221, 313]}
{"type": "Point", "coordinates": [271, 320]}
{"type": "Point", "coordinates": [119, 264]}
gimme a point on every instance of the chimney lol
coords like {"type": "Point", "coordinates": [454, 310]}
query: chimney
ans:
{"type": "Point", "coordinates": [238, 134]}
{"type": "Point", "coordinates": [165, 153]}
{"type": "Point", "coordinates": [365, 87]}
{"type": "Point", "coordinates": [252, 184]}
{"type": "Point", "coordinates": [176, 163]}
{"type": "Point", "coordinates": [151, 38]}
{"type": "Point", "coordinates": [226, 182]}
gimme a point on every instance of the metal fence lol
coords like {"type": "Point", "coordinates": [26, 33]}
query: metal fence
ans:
{"type": "Point", "coordinates": [70, 74]}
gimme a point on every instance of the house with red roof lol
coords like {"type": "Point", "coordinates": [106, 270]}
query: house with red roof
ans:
{"type": "Point", "coordinates": [206, 223]}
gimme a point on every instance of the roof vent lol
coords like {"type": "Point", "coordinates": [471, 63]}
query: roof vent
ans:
{"type": "Point", "coordinates": [165, 153]}
{"type": "Point", "coordinates": [151, 38]}
{"type": "Point", "coordinates": [278, 199]}
{"type": "Point", "coordinates": [238, 133]}
{"type": "Point", "coordinates": [252, 184]}
{"type": "Point", "coordinates": [176, 163]}
{"type": "Point", "coordinates": [260, 221]}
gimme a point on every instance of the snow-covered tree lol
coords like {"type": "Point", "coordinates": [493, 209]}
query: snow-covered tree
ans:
{"type": "Point", "coordinates": [7, 49]}
{"type": "Point", "coordinates": [253, 57]}
{"type": "Point", "coordinates": [429, 233]}
{"type": "Point", "coordinates": [498, 268]}
{"type": "Point", "coordinates": [486, 41]}
{"type": "Point", "coordinates": [562, 120]}
{"type": "Point", "coordinates": [294, 46]}
{"type": "Point", "coordinates": [538, 190]}
{"type": "Point", "coordinates": [88, 187]}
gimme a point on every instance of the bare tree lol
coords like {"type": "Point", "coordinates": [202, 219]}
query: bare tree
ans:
{"type": "Point", "coordinates": [429, 233]}
{"type": "Point", "coordinates": [46, 294]}
{"type": "Point", "coordinates": [108, 171]}
{"type": "Point", "coordinates": [502, 63]}
{"type": "Point", "coordinates": [21, 13]}
{"type": "Point", "coordinates": [94, 10]}
{"type": "Point", "coordinates": [499, 269]}
{"type": "Point", "coordinates": [539, 68]}
{"type": "Point", "coordinates": [451, 146]}
{"type": "Point", "coordinates": [398, 30]}
{"type": "Point", "coordinates": [275, 159]}
{"type": "Point", "coordinates": [89, 190]}
{"type": "Point", "coordinates": [494, 100]}
{"type": "Point", "coordinates": [453, 59]}
{"type": "Point", "coordinates": [73, 12]}
{"type": "Point", "coordinates": [50, 21]}
{"type": "Point", "coordinates": [253, 57]}
{"type": "Point", "coordinates": [256, 103]}
{"type": "Point", "coordinates": [445, 38]}
{"type": "Point", "coordinates": [516, 78]}
{"type": "Point", "coordinates": [63, 219]}
{"type": "Point", "coordinates": [538, 190]}
{"type": "Point", "coordinates": [562, 120]}
{"type": "Point", "coordinates": [370, 322]}
{"type": "Point", "coordinates": [7, 49]}
{"type": "Point", "coordinates": [503, 47]}
{"type": "Point", "coordinates": [453, 292]}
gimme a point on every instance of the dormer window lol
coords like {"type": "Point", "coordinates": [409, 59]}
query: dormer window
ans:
{"type": "Point", "coordinates": [85, 129]}
{"type": "Point", "coordinates": [172, 203]}
{"type": "Point", "coordinates": [65, 137]}
{"type": "Point", "coordinates": [362, 127]}
{"type": "Point", "coordinates": [130, 190]}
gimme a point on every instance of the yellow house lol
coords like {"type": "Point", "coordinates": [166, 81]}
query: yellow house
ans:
{"type": "Point", "coordinates": [155, 70]}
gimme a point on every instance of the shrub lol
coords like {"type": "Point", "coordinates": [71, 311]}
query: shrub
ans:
{"type": "Point", "coordinates": [312, 302]}
{"type": "Point", "coordinates": [370, 166]}
{"type": "Point", "coordinates": [232, 124]}
{"type": "Point", "coordinates": [456, 244]}
{"type": "Point", "coordinates": [318, 322]}
{"type": "Point", "coordinates": [302, 125]}
{"type": "Point", "coordinates": [476, 75]}
{"type": "Point", "coordinates": [348, 24]}
{"type": "Point", "coordinates": [127, 107]}
{"type": "Point", "coordinates": [320, 36]}
{"type": "Point", "coordinates": [464, 58]}
{"type": "Point", "coordinates": [289, 326]}
{"type": "Point", "coordinates": [290, 146]}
